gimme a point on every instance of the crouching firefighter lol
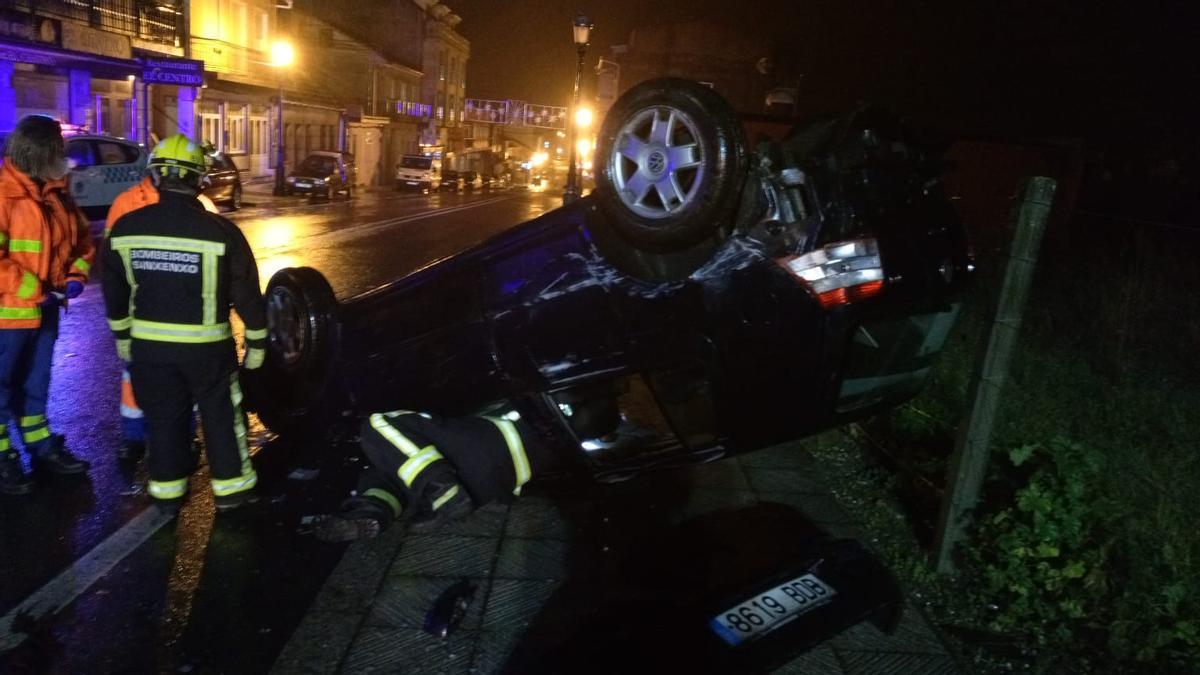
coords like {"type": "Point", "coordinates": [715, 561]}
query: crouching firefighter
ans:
{"type": "Point", "coordinates": [432, 470]}
{"type": "Point", "coordinates": [171, 272]}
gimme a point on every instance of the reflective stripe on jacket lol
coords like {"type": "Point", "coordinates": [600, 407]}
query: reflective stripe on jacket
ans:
{"type": "Point", "coordinates": [44, 240]}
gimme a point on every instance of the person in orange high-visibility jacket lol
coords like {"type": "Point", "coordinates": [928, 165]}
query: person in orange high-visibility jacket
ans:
{"type": "Point", "coordinates": [46, 252]}
{"type": "Point", "coordinates": [133, 421]}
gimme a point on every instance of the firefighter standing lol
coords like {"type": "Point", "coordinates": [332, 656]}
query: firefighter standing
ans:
{"type": "Point", "coordinates": [133, 422]}
{"type": "Point", "coordinates": [45, 254]}
{"type": "Point", "coordinates": [435, 469]}
{"type": "Point", "coordinates": [171, 272]}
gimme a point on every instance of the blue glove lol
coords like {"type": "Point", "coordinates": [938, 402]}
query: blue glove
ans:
{"type": "Point", "coordinates": [74, 289]}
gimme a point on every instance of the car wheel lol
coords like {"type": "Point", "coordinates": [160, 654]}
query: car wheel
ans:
{"type": "Point", "coordinates": [674, 163]}
{"type": "Point", "coordinates": [292, 392]}
{"type": "Point", "coordinates": [235, 201]}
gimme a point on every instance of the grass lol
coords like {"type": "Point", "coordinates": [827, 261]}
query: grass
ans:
{"type": "Point", "coordinates": [1106, 370]}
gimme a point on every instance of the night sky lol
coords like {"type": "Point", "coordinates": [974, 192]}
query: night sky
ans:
{"type": "Point", "coordinates": [1049, 68]}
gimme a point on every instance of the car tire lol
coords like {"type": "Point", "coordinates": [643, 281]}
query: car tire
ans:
{"type": "Point", "coordinates": [291, 391]}
{"type": "Point", "coordinates": [235, 200]}
{"type": "Point", "coordinates": [674, 161]}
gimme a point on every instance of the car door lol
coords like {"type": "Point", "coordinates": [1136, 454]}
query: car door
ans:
{"type": "Point", "coordinates": [119, 168]}
{"type": "Point", "coordinates": [85, 175]}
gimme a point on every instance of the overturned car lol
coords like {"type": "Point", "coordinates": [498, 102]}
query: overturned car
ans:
{"type": "Point", "coordinates": [706, 299]}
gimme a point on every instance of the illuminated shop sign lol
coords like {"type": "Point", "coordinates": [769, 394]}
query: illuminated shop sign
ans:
{"type": "Point", "coordinates": [180, 72]}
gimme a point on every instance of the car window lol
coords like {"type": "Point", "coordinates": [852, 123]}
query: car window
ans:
{"type": "Point", "coordinates": [110, 152]}
{"type": "Point", "coordinates": [227, 164]}
{"type": "Point", "coordinates": [319, 165]}
{"type": "Point", "coordinates": [79, 153]}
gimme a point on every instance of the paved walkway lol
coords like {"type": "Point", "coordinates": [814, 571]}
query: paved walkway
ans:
{"type": "Point", "coordinates": [369, 615]}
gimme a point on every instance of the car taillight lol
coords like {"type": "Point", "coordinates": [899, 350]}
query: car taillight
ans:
{"type": "Point", "coordinates": [840, 273]}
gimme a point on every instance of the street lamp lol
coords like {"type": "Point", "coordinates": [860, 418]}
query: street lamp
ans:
{"type": "Point", "coordinates": [282, 56]}
{"type": "Point", "coordinates": [582, 29]}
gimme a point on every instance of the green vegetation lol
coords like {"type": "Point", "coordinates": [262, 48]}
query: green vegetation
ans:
{"type": "Point", "coordinates": [1085, 556]}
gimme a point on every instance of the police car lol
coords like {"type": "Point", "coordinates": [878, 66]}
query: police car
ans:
{"type": "Point", "coordinates": [102, 167]}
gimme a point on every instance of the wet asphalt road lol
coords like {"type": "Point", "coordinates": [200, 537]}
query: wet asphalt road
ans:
{"type": "Point", "coordinates": [135, 593]}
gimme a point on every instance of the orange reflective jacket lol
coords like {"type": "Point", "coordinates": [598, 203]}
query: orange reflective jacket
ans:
{"type": "Point", "coordinates": [142, 194]}
{"type": "Point", "coordinates": [44, 242]}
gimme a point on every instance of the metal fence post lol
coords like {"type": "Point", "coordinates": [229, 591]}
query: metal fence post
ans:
{"type": "Point", "coordinates": [968, 464]}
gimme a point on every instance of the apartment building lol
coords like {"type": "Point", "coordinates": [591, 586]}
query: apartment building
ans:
{"type": "Point", "coordinates": [89, 62]}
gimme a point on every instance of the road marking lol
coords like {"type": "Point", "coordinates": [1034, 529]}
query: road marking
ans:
{"type": "Point", "coordinates": [73, 581]}
{"type": "Point", "coordinates": [365, 229]}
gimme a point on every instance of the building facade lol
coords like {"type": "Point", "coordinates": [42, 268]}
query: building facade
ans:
{"type": "Point", "coordinates": [736, 64]}
{"type": "Point", "coordinates": [406, 37]}
{"type": "Point", "coordinates": [445, 57]}
{"type": "Point", "coordinates": [84, 62]}
{"type": "Point", "coordinates": [378, 79]}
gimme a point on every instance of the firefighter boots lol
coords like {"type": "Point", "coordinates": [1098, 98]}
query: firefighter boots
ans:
{"type": "Point", "coordinates": [55, 458]}
{"type": "Point", "coordinates": [13, 480]}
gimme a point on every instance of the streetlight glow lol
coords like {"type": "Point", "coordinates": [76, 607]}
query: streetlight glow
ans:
{"type": "Point", "coordinates": [581, 30]}
{"type": "Point", "coordinates": [282, 54]}
{"type": "Point", "coordinates": [583, 146]}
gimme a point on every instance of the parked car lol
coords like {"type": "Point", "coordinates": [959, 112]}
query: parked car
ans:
{"type": "Point", "coordinates": [703, 301]}
{"type": "Point", "coordinates": [418, 172]}
{"type": "Point", "coordinates": [750, 303]}
{"type": "Point", "coordinates": [224, 181]}
{"type": "Point", "coordinates": [102, 167]}
{"type": "Point", "coordinates": [323, 174]}
{"type": "Point", "coordinates": [451, 181]}
{"type": "Point", "coordinates": [470, 180]}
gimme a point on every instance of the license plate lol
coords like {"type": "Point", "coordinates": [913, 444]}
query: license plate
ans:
{"type": "Point", "coordinates": [771, 609]}
{"type": "Point", "coordinates": [300, 184]}
{"type": "Point", "coordinates": [411, 182]}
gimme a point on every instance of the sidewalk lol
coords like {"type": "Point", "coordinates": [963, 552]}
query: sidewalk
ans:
{"type": "Point", "coordinates": [370, 613]}
{"type": "Point", "coordinates": [261, 192]}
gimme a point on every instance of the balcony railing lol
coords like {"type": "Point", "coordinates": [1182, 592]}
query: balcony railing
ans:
{"type": "Point", "coordinates": [159, 21]}
{"type": "Point", "coordinates": [410, 109]}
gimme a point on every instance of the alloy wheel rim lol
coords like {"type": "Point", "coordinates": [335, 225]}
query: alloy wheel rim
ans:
{"type": "Point", "coordinates": [657, 163]}
{"type": "Point", "coordinates": [286, 324]}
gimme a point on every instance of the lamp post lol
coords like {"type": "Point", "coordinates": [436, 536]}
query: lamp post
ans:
{"type": "Point", "coordinates": [582, 29]}
{"type": "Point", "coordinates": [282, 56]}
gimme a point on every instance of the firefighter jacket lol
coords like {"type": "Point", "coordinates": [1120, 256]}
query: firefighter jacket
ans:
{"type": "Point", "coordinates": [492, 457]}
{"type": "Point", "coordinates": [171, 272]}
{"type": "Point", "coordinates": [44, 242]}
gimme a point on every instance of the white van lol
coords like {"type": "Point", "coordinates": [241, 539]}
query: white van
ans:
{"type": "Point", "coordinates": [418, 172]}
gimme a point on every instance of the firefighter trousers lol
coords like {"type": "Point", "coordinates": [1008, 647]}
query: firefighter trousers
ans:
{"type": "Point", "coordinates": [25, 357]}
{"type": "Point", "coordinates": [418, 459]}
{"type": "Point", "coordinates": [166, 392]}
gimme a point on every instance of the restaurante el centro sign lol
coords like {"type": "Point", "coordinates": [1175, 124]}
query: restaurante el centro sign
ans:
{"type": "Point", "coordinates": [180, 72]}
